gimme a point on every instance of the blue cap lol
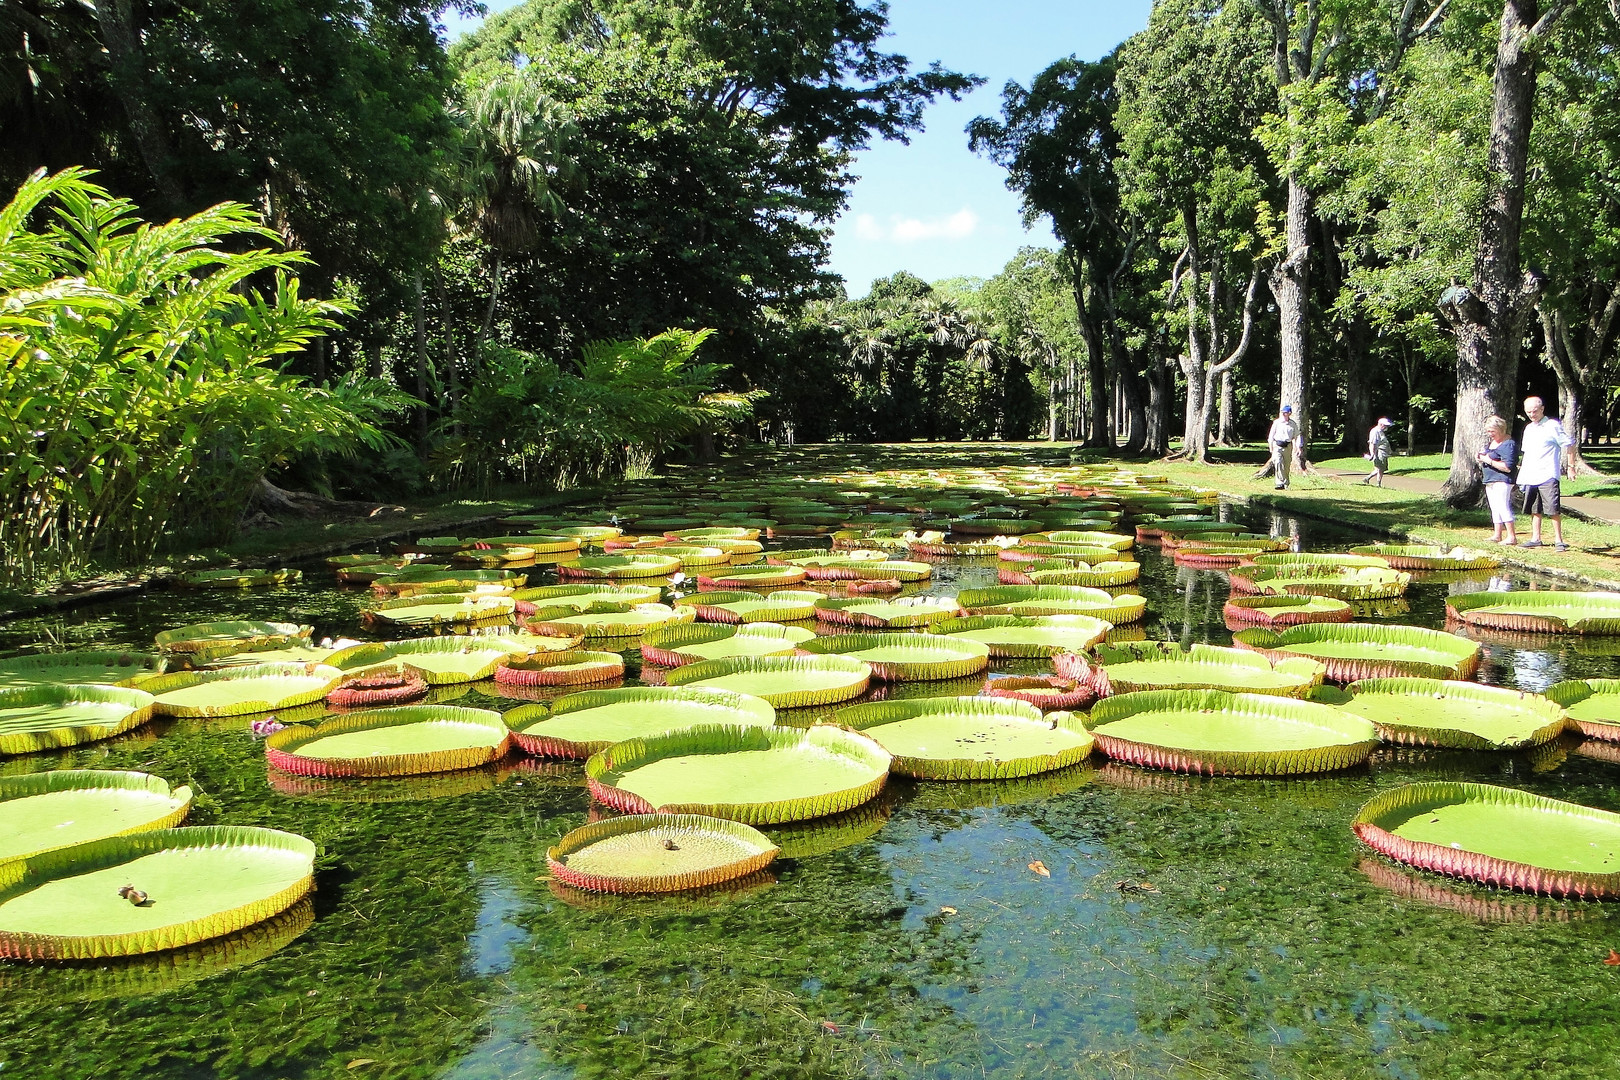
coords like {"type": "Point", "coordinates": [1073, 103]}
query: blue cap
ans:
{"type": "Point", "coordinates": [1288, 408]}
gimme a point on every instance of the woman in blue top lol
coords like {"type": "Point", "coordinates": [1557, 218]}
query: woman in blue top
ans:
{"type": "Point", "coordinates": [1496, 463]}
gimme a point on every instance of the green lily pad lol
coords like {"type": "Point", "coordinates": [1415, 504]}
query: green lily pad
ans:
{"type": "Point", "coordinates": [1060, 571]}
{"type": "Point", "coordinates": [570, 667]}
{"type": "Point", "coordinates": [1053, 600]}
{"type": "Point", "coordinates": [404, 741]}
{"type": "Point", "coordinates": [1131, 666]}
{"type": "Point", "coordinates": [908, 611]}
{"type": "Point", "coordinates": [610, 620]}
{"type": "Point", "coordinates": [1434, 712]}
{"type": "Point", "coordinates": [1354, 651]}
{"type": "Point", "coordinates": [439, 609]}
{"type": "Point", "coordinates": [1592, 704]}
{"type": "Point", "coordinates": [637, 564]}
{"type": "Point", "coordinates": [580, 724]}
{"type": "Point", "coordinates": [1430, 557]}
{"type": "Point", "coordinates": [200, 883]}
{"type": "Point", "coordinates": [673, 646]}
{"type": "Point", "coordinates": [102, 666]}
{"type": "Point", "coordinates": [727, 606]}
{"type": "Point", "coordinates": [1542, 612]}
{"type": "Point", "coordinates": [787, 682]}
{"type": "Point", "coordinates": [659, 853]}
{"type": "Point", "coordinates": [582, 596]}
{"type": "Point", "coordinates": [239, 691]}
{"type": "Point", "coordinates": [284, 654]}
{"type": "Point", "coordinates": [907, 657]}
{"type": "Point", "coordinates": [444, 660]}
{"type": "Point", "coordinates": [756, 775]}
{"type": "Point", "coordinates": [1339, 582]}
{"type": "Point", "coordinates": [750, 577]}
{"type": "Point", "coordinates": [418, 582]}
{"type": "Point", "coordinates": [1027, 635]}
{"type": "Point", "coordinates": [694, 556]}
{"type": "Point", "coordinates": [41, 812]}
{"type": "Point", "coordinates": [238, 579]}
{"type": "Point", "coordinates": [52, 715]}
{"type": "Point", "coordinates": [201, 642]}
{"type": "Point", "coordinates": [970, 738]}
{"type": "Point", "coordinates": [1275, 612]}
{"type": "Point", "coordinates": [1224, 734]}
{"type": "Point", "coordinates": [1497, 836]}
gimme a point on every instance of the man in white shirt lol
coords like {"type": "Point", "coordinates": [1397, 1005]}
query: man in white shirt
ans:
{"type": "Point", "coordinates": [1540, 463]}
{"type": "Point", "coordinates": [1284, 432]}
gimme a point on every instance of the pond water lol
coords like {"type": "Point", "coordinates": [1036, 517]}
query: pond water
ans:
{"type": "Point", "coordinates": [1189, 927]}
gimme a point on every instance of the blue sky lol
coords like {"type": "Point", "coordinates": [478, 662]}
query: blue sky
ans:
{"type": "Point", "coordinates": [932, 207]}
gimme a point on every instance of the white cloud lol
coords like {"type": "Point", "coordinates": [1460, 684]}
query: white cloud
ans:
{"type": "Point", "coordinates": [904, 230]}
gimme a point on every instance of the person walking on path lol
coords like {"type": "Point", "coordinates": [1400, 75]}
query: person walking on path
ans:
{"type": "Point", "coordinates": [1496, 463]}
{"type": "Point", "coordinates": [1284, 433]}
{"type": "Point", "coordinates": [1542, 462]}
{"type": "Point", "coordinates": [1378, 450]}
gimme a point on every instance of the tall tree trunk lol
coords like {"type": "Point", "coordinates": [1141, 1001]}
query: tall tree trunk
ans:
{"type": "Point", "coordinates": [1489, 317]}
{"type": "Point", "coordinates": [1136, 432]}
{"type": "Point", "coordinates": [1358, 418]}
{"type": "Point", "coordinates": [319, 347]}
{"type": "Point", "coordinates": [476, 360]}
{"type": "Point", "coordinates": [116, 18]}
{"type": "Point", "coordinates": [1096, 364]}
{"type": "Point", "coordinates": [1290, 284]}
{"type": "Point", "coordinates": [1224, 435]}
{"type": "Point", "coordinates": [1157, 442]}
{"type": "Point", "coordinates": [1051, 408]}
{"type": "Point", "coordinates": [374, 367]}
{"type": "Point", "coordinates": [1574, 359]}
{"type": "Point", "coordinates": [420, 289]}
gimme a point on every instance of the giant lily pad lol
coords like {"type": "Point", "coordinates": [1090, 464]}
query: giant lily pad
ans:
{"type": "Point", "coordinates": [580, 597]}
{"type": "Point", "coordinates": [441, 660]}
{"type": "Point", "coordinates": [970, 738]}
{"type": "Point", "coordinates": [609, 620]}
{"type": "Point", "coordinates": [439, 609]}
{"type": "Point", "coordinates": [1027, 635]}
{"type": "Point", "coordinates": [1295, 559]}
{"type": "Point", "coordinates": [637, 564]}
{"type": "Point", "coordinates": [570, 667]}
{"type": "Point", "coordinates": [51, 715]}
{"type": "Point", "coordinates": [41, 812]}
{"type": "Point", "coordinates": [907, 657]}
{"type": "Point", "coordinates": [1274, 612]}
{"type": "Point", "coordinates": [418, 582]}
{"type": "Point", "coordinates": [787, 682]}
{"type": "Point", "coordinates": [1593, 705]}
{"type": "Point", "coordinates": [237, 579]}
{"type": "Point", "coordinates": [729, 606]}
{"type": "Point", "coordinates": [243, 690]}
{"type": "Point", "coordinates": [887, 614]}
{"type": "Point", "coordinates": [1029, 551]}
{"type": "Point", "coordinates": [1355, 651]}
{"type": "Point", "coordinates": [1497, 836]}
{"type": "Point", "coordinates": [101, 666]}
{"type": "Point", "coordinates": [404, 741]}
{"type": "Point", "coordinates": [201, 642]}
{"type": "Point", "coordinates": [580, 724]}
{"type": "Point", "coordinates": [1058, 571]}
{"type": "Point", "coordinates": [1130, 666]}
{"type": "Point", "coordinates": [757, 775]}
{"type": "Point", "coordinates": [199, 883]}
{"type": "Point", "coordinates": [750, 577]}
{"type": "Point", "coordinates": [1053, 600]}
{"type": "Point", "coordinates": [1115, 541]}
{"type": "Point", "coordinates": [694, 556]}
{"type": "Point", "coordinates": [1546, 612]}
{"type": "Point", "coordinates": [677, 645]}
{"type": "Point", "coordinates": [1339, 582]}
{"type": "Point", "coordinates": [1433, 712]}
{"type": "Point", "coordinates": [659, 853]}
{"type": "Point", "coordinates": [1430, 557]}
{"type": "Point", "coordinates": [1224, 734]}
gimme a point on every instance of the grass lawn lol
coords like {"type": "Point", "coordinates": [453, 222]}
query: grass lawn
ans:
{"type": "Point", "coordinates": [1594, 554]}
{"type": "Point", "coordinates": [1435, 466]}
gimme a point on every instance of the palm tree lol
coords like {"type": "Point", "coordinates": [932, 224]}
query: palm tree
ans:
{"type": "Point", "coordinates": [516, 166]}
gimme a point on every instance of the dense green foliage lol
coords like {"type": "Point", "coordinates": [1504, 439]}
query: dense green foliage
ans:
{"type": "Point", "coordinates": [140, 384]}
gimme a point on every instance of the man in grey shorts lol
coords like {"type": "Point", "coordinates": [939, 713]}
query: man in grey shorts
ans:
{"type": "Point", "coordinates": [1540, 463]}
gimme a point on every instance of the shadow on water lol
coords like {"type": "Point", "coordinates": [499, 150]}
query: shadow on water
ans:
{"type": "Point", "coordinates": [1186, 926]}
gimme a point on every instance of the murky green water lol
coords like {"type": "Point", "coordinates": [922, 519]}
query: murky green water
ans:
{"type": "Point", "coordinates": [911, 940]}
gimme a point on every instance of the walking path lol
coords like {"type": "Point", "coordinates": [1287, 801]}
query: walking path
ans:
{"type": "Point", "coordinates": [1603, 511]}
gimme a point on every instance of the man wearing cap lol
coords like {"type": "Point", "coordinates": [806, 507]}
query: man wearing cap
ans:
{"type": "Point", "coordinates": [1284, 433]}
{"type": "Point", "coordinates": [1378, 450]}
{"type": "Point", "coordinates": [1542, 460]}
